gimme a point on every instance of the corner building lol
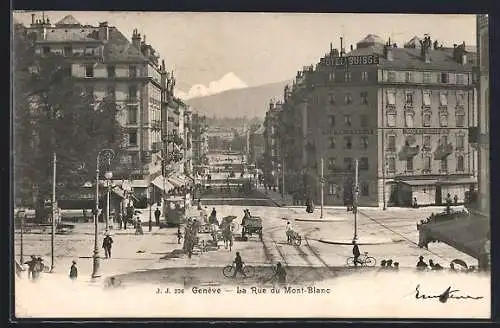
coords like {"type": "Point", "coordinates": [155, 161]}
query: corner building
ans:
{"type": "Point", "coordinates": [404, 113]}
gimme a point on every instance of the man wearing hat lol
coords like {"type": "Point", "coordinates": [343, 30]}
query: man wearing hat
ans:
{"type": "Point", "coordinates": [37, 269]}
{"type": "Point", "coordinates": [31, 266]}
{"type": "Point", "coordinates": [73, 271]}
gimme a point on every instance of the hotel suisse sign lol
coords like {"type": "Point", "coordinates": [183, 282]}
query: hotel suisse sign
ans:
{"type": "Point", "coordinates": [425, 131]}
{"type": "Point", "coordinates": [351, 60]}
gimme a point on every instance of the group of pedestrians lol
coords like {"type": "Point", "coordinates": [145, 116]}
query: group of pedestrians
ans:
{"type": "Point", "coordinates": [389, 265]}
{"type": "Point", "coordinates": [35, 267]}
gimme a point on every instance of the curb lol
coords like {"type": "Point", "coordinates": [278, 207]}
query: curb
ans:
{"type": "Point", "coordinates": [313, 220]}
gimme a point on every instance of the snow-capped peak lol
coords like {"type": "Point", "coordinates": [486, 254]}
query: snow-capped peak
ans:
{"type": "Point", "coordinates": [228, 82]}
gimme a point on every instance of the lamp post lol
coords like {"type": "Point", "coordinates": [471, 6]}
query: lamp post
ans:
{"type": "Point", "coordinates": [95, 268]}
{"type": "Point", "coordinates": [108, 175]}
{"type": "Point", "coordinates": [149, 203]}
{"type": "Point", "coordinates": [355, 207]}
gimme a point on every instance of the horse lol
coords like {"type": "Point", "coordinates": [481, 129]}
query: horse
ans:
{"type": "Point", "coordinates": [227, 236]}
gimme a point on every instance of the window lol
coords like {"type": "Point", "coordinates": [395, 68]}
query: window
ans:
{"type": "Point", "coordinates": [460, 120]}
{"type": "Point", "coordinates": [409, 164]}
{"type": "Point", "coordinates": [331, 163]}
{"type": "Point", "coordinates": [132, 138]}
{"type": "Point", "coordinates": [347, 99]}
{"type": "Point", "coordinates": [391, 143]}
{"type": "Point", "coordinates": [111, 91]}
{"type": "Point", "coordinates": [348, 76]}
{"type": "Point", "coordinates": [426, 119]}
{"type": "Point", "coordinates": [391, 76]}
{"type": "Point", "coordinates": [89, 70]}
{"type": "Point", "coordinates": [364, 76]}
{"type": "Point", "coordinates": [460, 142]}
{"type": "Point", "coordinates": [111, 71]}
{"type": "Point", "coordinates": [409, 120]}
{"type": "Point", "coordinates": [391, 97]}
{"type": "Point", "coordinates": [363, 120]}
{"type": "Point", "coordinates": [363, 163]}
{"type": "Point", "coordinates": [460, 79]}
{"type": "Point", "coordinates": [426, 98]}
{"type": "Point", "coordinates": [132, 114]}
{"type": "Point", "coordinates": [409, 77]}
{"type": "Point", "coordinates": [365, 189]}
{"type": "Point", "coordinates": [427, 142]}
{"type": "Point", "coordinates": [391, 119]}
{"type": "Point", "coordinates": [364, 98]}
{"type": "Point", "coordinates": [364, 142]}
{"type": "Point", "coordinates": [460, 163]}
{"type": "Point", "coordinates": [444, 164]}
{"type": "Point", "coordinates": [443, 119]}
{"type": "Point", "coordinates": [68, 51]}
{"type": "Point", "coordinates": [391, 164]}
{"type": "Point", "coordinates": [331, 119]}
{"type": "Point", "coordinates": [460, 99]}
{"type": "Point", "coordinates": [427, 77]}
{"type": "Point", "coordinates": [347, 120]}
{"type": "Point", "coordinates": [332, 189]}
{"type": "Point", "coordinates": [348, 163]}
{"type": "Point", "coordinates": [427, 163]}
{"type": "Point", "coordinates": [331, 76]}
{"type": "Point", "coordinates": [46, 50]}
{"type": "Point", "coordinates": [132, 71]}
{"type": "Point", "coordinates": [332, 98]}
{"type": "Point", "coordinates": [409, 99]}
{"type": "Point", "coordinates": [347, 142]}
{"type": "Point", "coordinates": [132, 92]}
{"type": "Point", "coordinates": [443, 99]}
{"type": "Point", "coordinates": [443, 77]}
{"type": "Point", "coordinates": [332, 142]}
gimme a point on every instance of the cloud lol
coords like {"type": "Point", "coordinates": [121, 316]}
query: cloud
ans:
{"type": "Point", "coordinates": [228, 82]}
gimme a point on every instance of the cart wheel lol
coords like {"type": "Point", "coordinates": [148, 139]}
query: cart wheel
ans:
{"type": "Point", "coordinates": [298, 241]}
{"type": "Point", "coordinates": [228, 271]}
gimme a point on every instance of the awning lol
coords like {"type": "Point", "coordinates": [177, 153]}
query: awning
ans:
{"type": "Point", "coordinates": [176, 182]}
{"type": "Point", "coordinates": [119, 191]}
{"type": "Point", "coordinates": [460, 181]}
{"type": "Point", "coordinates": [467, 235]}
{"type": "Point", "coordinates": [415, 183]}
{"type": "Point", "coordinates": [140, 183]}
{"type": "Point", "coordinates": [162, 183]}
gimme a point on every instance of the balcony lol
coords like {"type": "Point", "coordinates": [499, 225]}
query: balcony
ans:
{"type": "Point", "coordinates": [408, 152]}
{"type": "Point", "coordinates": [443, 151]}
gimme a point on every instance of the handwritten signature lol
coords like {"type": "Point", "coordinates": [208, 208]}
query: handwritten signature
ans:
{"type": "Point", "coordinates": [447, 294]}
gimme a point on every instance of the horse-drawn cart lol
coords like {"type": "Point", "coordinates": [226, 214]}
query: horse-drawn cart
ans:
{"type": "Point", "coordinates": [252, 226]}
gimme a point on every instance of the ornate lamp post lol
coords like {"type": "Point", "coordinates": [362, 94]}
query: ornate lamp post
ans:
{"type": "Point", "coordinates": [109, 153]}
{"type": "Point", "coordinates": [108, 175]}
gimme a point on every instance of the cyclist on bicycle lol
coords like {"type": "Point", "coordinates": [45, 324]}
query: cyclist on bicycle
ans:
{"type": "Point", "coordinates": [239, 265]}
{"type": "Point", "coordinates": [356, 253]}
{"type": "Point", "coordinates": [289, 232]}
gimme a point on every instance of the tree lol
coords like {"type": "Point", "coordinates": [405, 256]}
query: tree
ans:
{"type": "Point", "coordinates": [52, 113]}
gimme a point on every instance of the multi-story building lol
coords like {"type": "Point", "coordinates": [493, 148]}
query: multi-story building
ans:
{"type": "Point", "coordinates": [272, 147]}
{"type": "Point", "coordinates": [256, 145]}
{"type": "Point", "coordinates": [106, 64]}
{"type": "Point", "coordinates": [481, 134]}
{"type": "Point", "coordinates": [403, 113]}
{"type": "Point", "coordinates": [199, 142]}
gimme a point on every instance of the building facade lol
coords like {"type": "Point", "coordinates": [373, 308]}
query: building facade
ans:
{"type": "Point", "coordinates": [402, 113]}
{"type": "Point", "coordinates": [200, 143]}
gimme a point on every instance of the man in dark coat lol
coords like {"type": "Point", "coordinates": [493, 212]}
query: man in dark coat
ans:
{"type": "Point", "coordinates": [157, 216]}
{"type": "Point", "coordinates": [73, 271]}
{"type": "Point", "coordinates": [31, 266]}
{"type": "Point", "coordinates": [107, 243]}
{"type": "Point", "coordinates": [356, 253]}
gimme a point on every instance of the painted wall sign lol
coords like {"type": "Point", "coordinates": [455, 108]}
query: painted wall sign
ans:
{"type": "Point", "coordinates": [352, 60]}
{"type": "Point", "coordinates": [426, 131]}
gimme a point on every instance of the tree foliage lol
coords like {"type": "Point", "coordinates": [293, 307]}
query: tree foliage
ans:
{"type": "Point", "coordinates": [53, 113]}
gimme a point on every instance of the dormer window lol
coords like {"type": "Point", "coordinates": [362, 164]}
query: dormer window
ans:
{"type": "Point", "coordinates": [426, 98]}
{"type": "Point", "coordinates": [89, 70]}
{"type": "Point", "coordinates": [409, 77]}
{"type": "Point", "coordinates": [347, 76]}
{"type": "Point", "coordinates": [427, 77]}
{"type": "Point", "coordinates": [409, 99]}
{"type": "Point", "coordinates": [444, 78]}
{"type": "Point", "coordinates": [460, 79]}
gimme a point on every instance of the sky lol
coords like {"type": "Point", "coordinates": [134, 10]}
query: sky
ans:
{"type": "Point", "coordinates": [260, 48]}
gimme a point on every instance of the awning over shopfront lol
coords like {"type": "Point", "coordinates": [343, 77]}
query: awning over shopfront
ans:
{"type": "Point", "coordinates": [418, 183]}
{"type": "Point", "coordinates": [140, 183]}
{"type": "Point", "coordinates": [175, 182]}
{"type": "Point", "coordinates": [162, 183]}
{"type": "Point", "coordinates": [467, 235]}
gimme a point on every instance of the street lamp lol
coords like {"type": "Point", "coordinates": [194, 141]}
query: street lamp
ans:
{"type": "Point", "coordinates": [108, 175]}
{"type": "Point", "coordinates": [149, 203]}
{"type": "Point", "coordinates": [110, 154]}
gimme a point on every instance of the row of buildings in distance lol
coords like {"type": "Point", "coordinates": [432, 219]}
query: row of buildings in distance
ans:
{"type": "Point", "coordinates": [407, 114]}
{"type": "Point", "coordinates": [163, 137]}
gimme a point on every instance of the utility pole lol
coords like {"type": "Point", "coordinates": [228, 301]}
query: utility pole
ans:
{"type": "Point", "coordinates": [54, 211]}
{"type": "Point", "coordinates": [322, 188]}
{"type": "Point", "coordinates": [355, 208]}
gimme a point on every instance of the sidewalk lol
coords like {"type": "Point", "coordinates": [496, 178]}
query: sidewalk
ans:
{"type": "Point", "coordinates": [275, 196]}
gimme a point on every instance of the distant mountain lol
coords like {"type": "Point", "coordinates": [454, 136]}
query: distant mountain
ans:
{"type": "Point", "coordinates": [249, 102]}
{"type": "Point", "coordinates": [228, 82]}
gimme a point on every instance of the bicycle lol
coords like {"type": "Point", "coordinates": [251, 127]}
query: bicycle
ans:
{"type": "Point", "coordinates": [295, 238]}
{"type": "Point", "coordinates": [228, 270]}
{"type": "Point", "coordinates": [367, 261]}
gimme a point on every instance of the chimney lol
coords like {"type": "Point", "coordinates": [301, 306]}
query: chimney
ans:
{"type": "Point", "coordinates": [352, 47]}
{"type": "Point", "coordinates": [136, 39]}
{"type": "Point", "coordinates": [163, 65]}
{"type": "Point", "coordinates": [32, 19]}
{"type": "Point", "coordinates": [103, 31]}
{"type": "Point", "coordinates": [341, 46]}
{"type": "Point", "coordinates": [331, 47]}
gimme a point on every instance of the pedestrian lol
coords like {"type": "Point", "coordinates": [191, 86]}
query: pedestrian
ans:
{"type": "Point", "coordinates": [238, 262]}
{"type": "Point", "coordinates": [382, 264]}
{"type": "Point", "coordinates": [157, 216]}
{"type": "Point", "coordinates": [107, 244]}
{"type": "Point", "coordinates": [280, 274]}
{"type": "Point", "coordinates": [455, 200]}
{"type": "Point", "coordinates": [356, 253]}
{"type": "Point", "coordinates": [38, 268]}
{"type": "Point", "coordinates": [119, 218]}
{"type": "Point", "coordinates": [179, 235]}
{"type": "Point", "coordinates": [396, 266]}
{"type": "Point", "coordinates": [31, 266]}
{"type": "Point", "coordinates": [421, 265]}
{"type": "Point", "coordinates": [73, 271]}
